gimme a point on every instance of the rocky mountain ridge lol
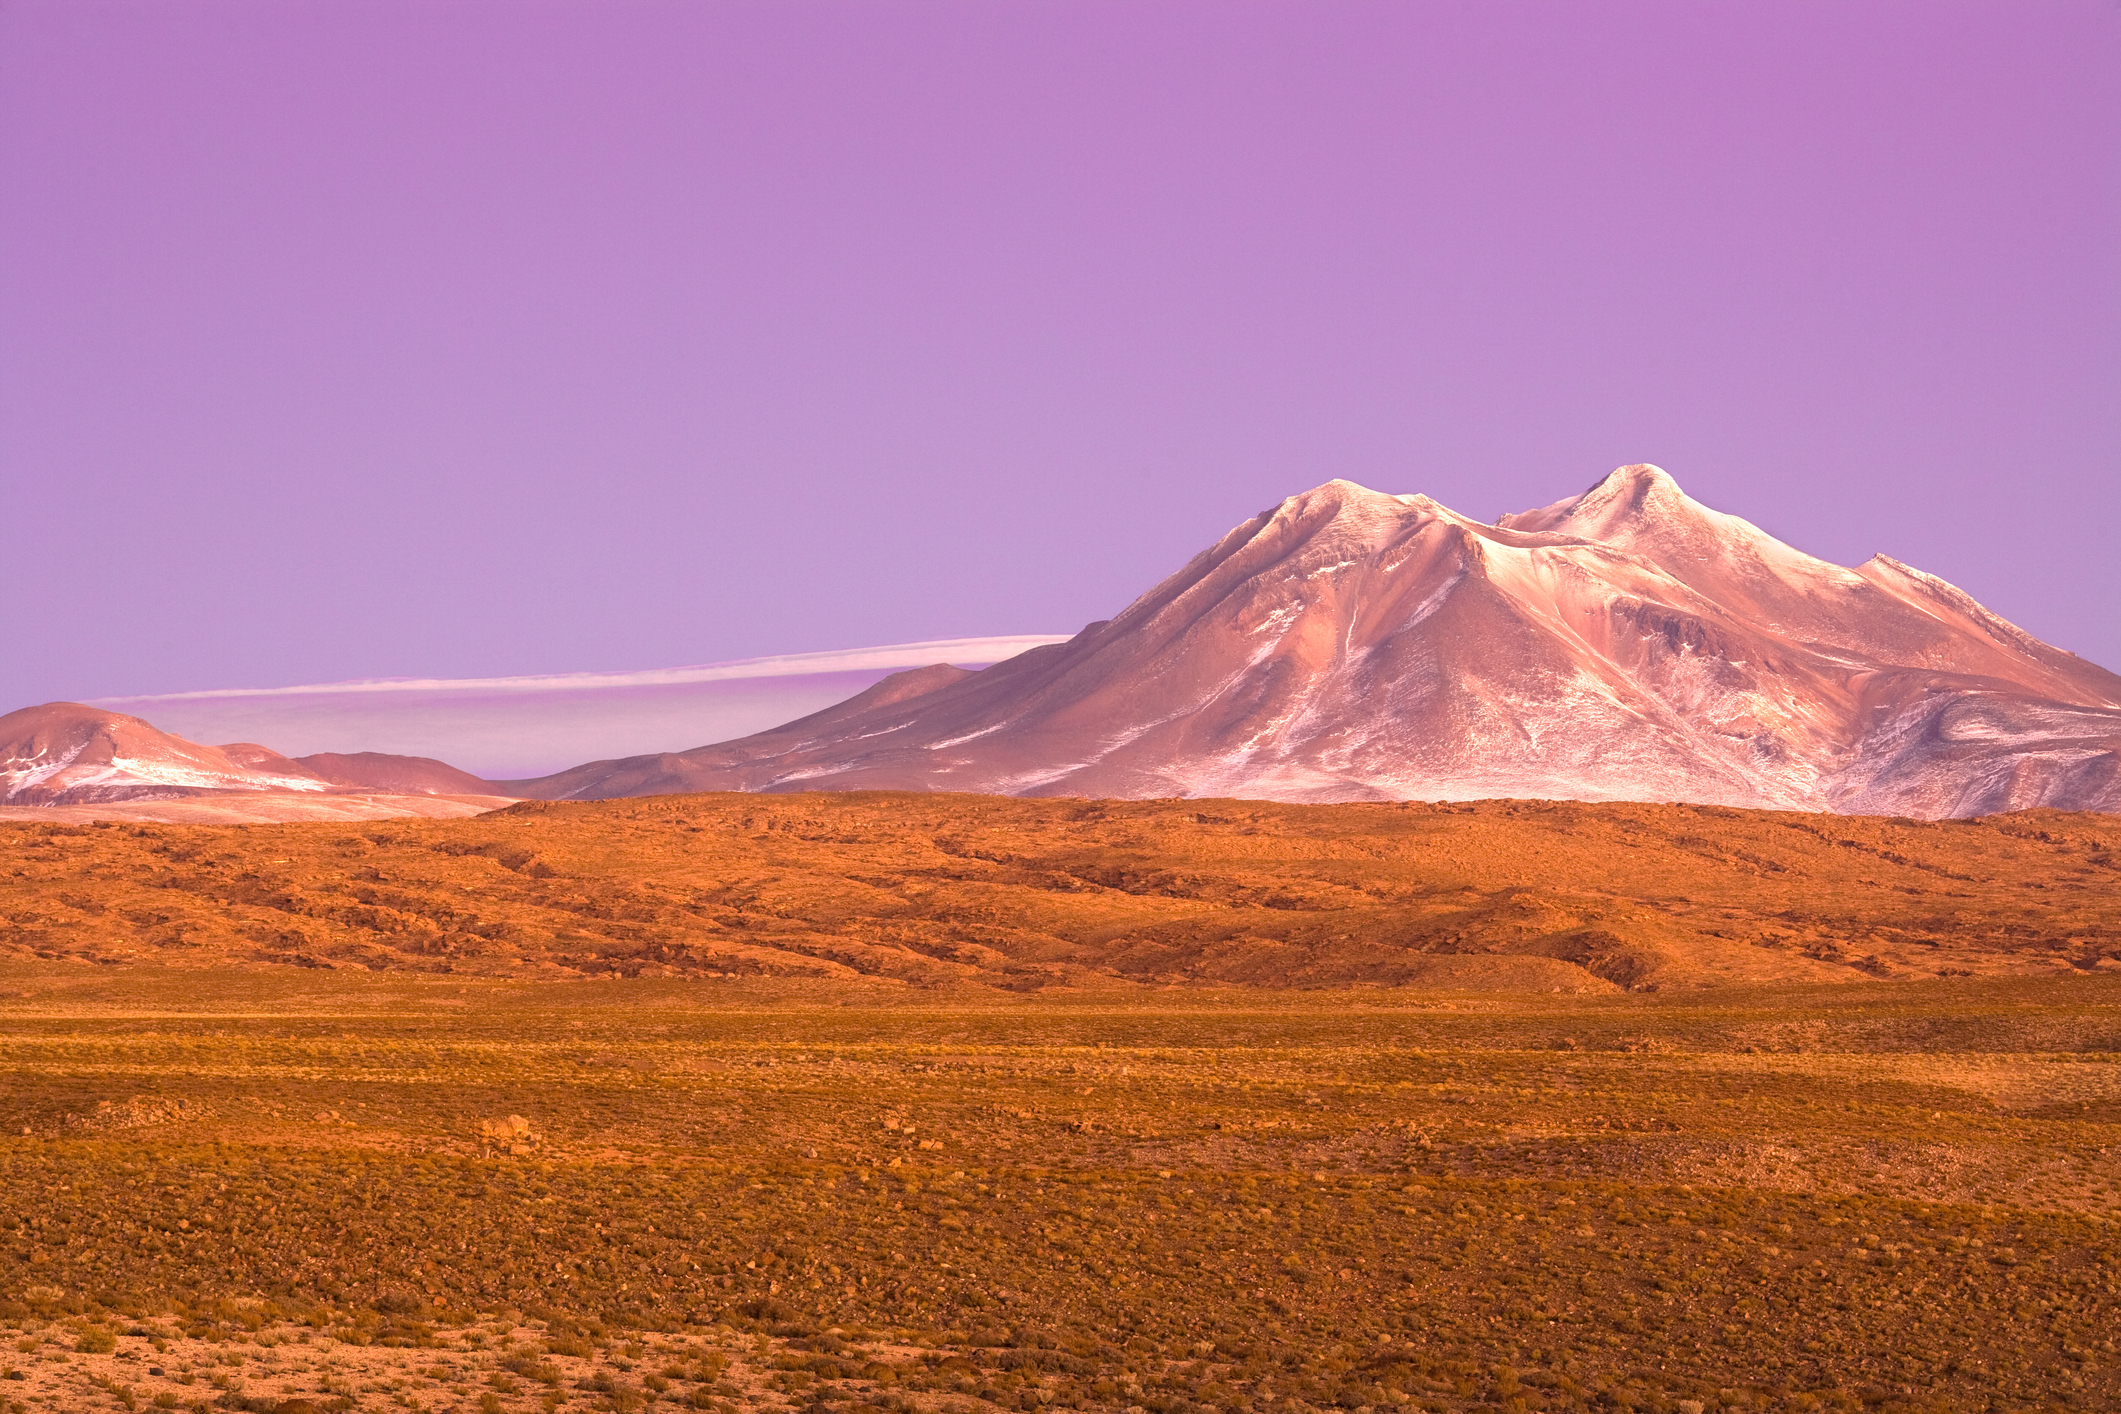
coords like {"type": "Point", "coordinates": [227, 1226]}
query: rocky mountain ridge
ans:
{"type": "Point", "coordinates": [1626, 643]}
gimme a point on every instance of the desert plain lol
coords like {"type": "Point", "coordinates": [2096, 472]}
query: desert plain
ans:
{"type": "Point", "coordinates": [914, 1102]}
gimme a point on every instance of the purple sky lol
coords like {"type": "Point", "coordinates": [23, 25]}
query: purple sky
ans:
{"type": "Point", "coordinates": [461, 339]}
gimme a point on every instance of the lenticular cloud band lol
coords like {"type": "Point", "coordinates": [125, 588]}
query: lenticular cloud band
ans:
{"type": "Point", "coordinates": [514, 727]}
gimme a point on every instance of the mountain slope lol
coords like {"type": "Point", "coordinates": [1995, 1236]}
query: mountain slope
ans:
{"type": "Point", "coordinates": [1627, 643]}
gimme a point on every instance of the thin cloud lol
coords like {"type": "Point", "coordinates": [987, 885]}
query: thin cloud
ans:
{"type": "Point", "coordinates": [885, 657]}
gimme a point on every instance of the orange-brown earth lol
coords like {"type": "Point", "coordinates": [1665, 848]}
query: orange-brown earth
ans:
{"type": "Point", "coordinates": [937, 889]}
{"type": "Point", "coordinates": [888, 1104]}
{"type": "Point", "coordinates": [289, 1191]}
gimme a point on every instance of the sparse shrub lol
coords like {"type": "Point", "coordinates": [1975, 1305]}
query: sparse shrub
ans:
{"type": "Point", "coordinates": [530, 1368]}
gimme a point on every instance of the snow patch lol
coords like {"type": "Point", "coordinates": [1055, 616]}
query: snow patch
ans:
{"type": "Point", "coordinates": [21, 779]}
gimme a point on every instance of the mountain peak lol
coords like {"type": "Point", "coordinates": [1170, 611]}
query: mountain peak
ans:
{"type": "Point", "coordinates": [1634, 485]}
{"type": "Point", "coordinates": [1639, 474]}
{"type": "Point", "coordinates": [1622, 500]}
{"type": "Point", "coordinates": [1643, 489]}
{"type": "Point", "coordinates": [1336, 495]}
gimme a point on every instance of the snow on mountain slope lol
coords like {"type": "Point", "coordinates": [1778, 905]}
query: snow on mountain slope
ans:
{"type": "Point", "coordinates": [1627, 643]}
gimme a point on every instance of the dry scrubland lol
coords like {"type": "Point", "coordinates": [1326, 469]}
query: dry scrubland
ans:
{"type": "Point", "coordinates": [936, 889]}
{"type": "Point", "coordinates": [1045, 1177]}
{"type": "Point", "coordinates": [308, 1187]}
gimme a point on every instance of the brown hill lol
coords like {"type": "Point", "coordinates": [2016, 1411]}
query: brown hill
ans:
{"type": "Point", "coordinates": [935, 889]}
{"type": "Point", "coordinates": [1628, 643]}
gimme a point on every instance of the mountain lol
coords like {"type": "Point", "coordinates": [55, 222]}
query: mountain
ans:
{"type": "Point", "coordinates": [1628, 643]}
{"type": "Point", "coordinates": [65, 753]}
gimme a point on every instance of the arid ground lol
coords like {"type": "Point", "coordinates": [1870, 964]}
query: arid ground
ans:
{"type": "Point", "coordinates": [528, 1133]}
{"type": "Point", "coordinates": [934, 890]}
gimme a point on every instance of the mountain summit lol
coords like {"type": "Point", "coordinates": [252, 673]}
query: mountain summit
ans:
{"type": "Point", "coordinates": [1626, 643]}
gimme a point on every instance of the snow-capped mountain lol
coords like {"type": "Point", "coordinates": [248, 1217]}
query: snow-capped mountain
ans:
{"type": "Point", "coordinates": [1627, 643]}
{"type": "Point", "coordinates": [64, 753]}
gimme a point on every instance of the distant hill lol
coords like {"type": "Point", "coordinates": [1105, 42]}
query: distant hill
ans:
{"type": "Point", "coordinates": [68, 754]}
